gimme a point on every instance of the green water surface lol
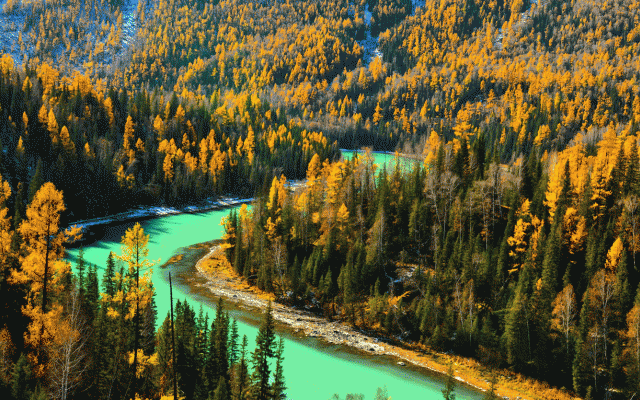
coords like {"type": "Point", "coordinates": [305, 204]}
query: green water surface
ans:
{"type": "Point", "coordinates": [314, 370]}
{"type": "Point", "coordinates": [388, 160]}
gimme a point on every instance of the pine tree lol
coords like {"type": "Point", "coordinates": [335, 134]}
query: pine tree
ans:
{"type": "Point", "coordinates": [582, 364]}
{"type": "Point", "coordinates": [139, 291]}
{"type": "Point", "coordinates": [517, 330]}
{"type": "Point", "coordinates": [36, 181]}
{"type": "Point", "coordinates": [382, 394]}
{"type": "Point", "coordinates": [221, 392]}
{"type": "Point", "coordinates": [186, 356]}
{"type": "Point", "coordinates": [217, 358]}
{"type": "Point", "coordinates": [238, 257]}
{"type": "Point", "coordinates": [107, 334]}
{"type": "Point", "coordinates": [233, 343]}
{"type": "Point", "coordinates": [80, 267]}
{"type": "Point", "coordinates": [108, 283]}
{"type": "Point", "coordinates": [165, 356]}
{"type": "Point", "coordinates": [450, 385]}
{"type": "Point", "coordinates": [241, 374]}
{"type": "Point", "coordinates": [564, 199]}
{"type": "Point", "coordinates": [264, 351]}
{"type": "Point", "coordinates": [632, 178]}
{"type": "Point", "coordinates": [91, 294]}
{"type": "Point", "coordinates": [542, 300]}
{"type": "Point", "coordinates": [278, 388]}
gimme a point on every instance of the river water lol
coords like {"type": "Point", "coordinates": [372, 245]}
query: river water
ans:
{"type": "Point", "coordinates": [314, 370]}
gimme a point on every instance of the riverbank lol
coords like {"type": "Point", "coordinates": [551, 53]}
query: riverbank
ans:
{"type": "Point", "coordinates": [407, 156]}
{"type": "Point", "coordinates": [90, 226]}
{"type": "Point", "coordinates": [208, 261]}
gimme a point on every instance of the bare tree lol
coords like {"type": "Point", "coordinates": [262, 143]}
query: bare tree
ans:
{"type": "Point", "coordinates": [592, 347]}
{"type": "Point", "coordinates": [600, 294]}
{"type": "Point", "coordinates": [499, 178]}
{"type": "Point", "coordinates": [440, 190]}
{"type": "Point", "coordinates": [279, 260]}
{"type": "Point", "coordinates": [465, 305]}
{"type": "Point", "coordinates": [483, 195]}
{"type": "Point", "coordinates": [564, 312]}
{"type": "Point", "coordinates": [633, 337]}
{"type": "Point", "coordinates": [68, 350]}
{"type": "Point", "coordinates": [604, 287]}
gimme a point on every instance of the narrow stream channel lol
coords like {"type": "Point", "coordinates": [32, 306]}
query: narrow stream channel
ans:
{"type": "Point", "coordinates": [314, 370]}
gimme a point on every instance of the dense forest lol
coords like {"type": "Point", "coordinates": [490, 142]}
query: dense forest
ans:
{"type": "Point", "coordinates": [69, 335]}
{"type": "Point", "coordinates": [289, 79]}
{"type": "Point", "coordinates": [530, 266]}
{"type": "Point", "coordinates": [513, 240]}
{"type": "Point", "coordinates": [124, 150]}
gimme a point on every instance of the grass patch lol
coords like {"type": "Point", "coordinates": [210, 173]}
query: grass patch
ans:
{"type": "Point", "coordinates": [175, 259]}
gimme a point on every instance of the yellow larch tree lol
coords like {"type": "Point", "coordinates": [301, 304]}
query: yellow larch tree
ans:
{"type": "Point", "coordinates": [128, 143]}
{"type": "Point", "coordinates": [42, 265]}
{"type": "Point", "coordinates": [431, 149]}
{"type": "Point", "coordinates": [43, 115]}
{"type": "Point", "coordinates": [5, 227]}
{"type": "Point", "coordinates": [518, 241]}
{"type": "Point", "coordinates": [126, 181]}
{"type": "Point", "coordinates": [25, 122]}
{"type": "Point", "coordinates": [88, 152]}
{"type": "Point", "coordinates": [52, 127]}
{"type": "Point", "coordinates": [575, 229]}
{"type": "Point", "coordinates": [334, 182]}
{"type": "Point", "coordinates": [377, 115]}
{"type": "Point", "coordinates": [248, 147]}
{"type": "Point", "coordinates": [49, 77]}
{"type": "Point", "coordinates": [138, 280]}
{"type": "Point", "coordinates": [159, 128]}
{"type": "Point", "coordinates": [108, 105]}
{"type": "Point", "coordinates": [613, 257]}
{"type": "Point", "coordinates": [579, 166]}
{"type": "Point", "coordinates": [67, 144]}
{"type": "Point", "coordinates": [277, 194]}
{"type": "Point", "coordinates": [167, 168]}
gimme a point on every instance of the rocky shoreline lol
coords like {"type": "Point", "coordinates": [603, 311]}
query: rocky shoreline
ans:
{"type": "Point", "coordinates": [301, 321]}
{"type": "Point", "coordinates": [220, 282]}
{"type": "Point", "coordinates": [310, 324]}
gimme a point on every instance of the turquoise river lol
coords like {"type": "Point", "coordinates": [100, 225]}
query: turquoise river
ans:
{"type": "Point", "coordinates": [314, 370]}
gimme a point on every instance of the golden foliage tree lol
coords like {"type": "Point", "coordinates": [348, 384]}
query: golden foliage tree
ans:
{"type": "Point", "coordinates": [5, 225]}
{"type": "Point", "coordinates": [139, 289]}
{"type": "Point", "coordinates": [43, 268]}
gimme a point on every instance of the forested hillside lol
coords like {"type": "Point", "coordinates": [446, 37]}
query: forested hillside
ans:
{"type": "Point", "coordinates": [515, 75]}
{"type": "Point", "coordinates": [530, 266]}
{"type": "Point", "coordinates": [514, 242]}
{"type": "Point", "coordinates": [108, 149]}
